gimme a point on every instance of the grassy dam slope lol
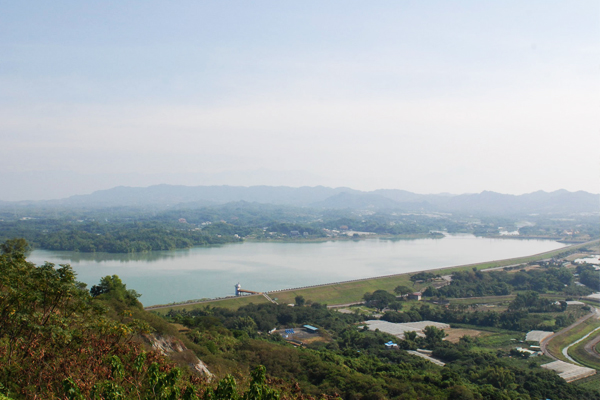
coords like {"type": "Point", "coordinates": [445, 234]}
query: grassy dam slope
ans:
{"type": "Point", "coordinates": [353, 291]}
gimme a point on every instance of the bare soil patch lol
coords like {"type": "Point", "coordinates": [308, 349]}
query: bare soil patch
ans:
{"type": "Point", "coordinates": [454, 334]}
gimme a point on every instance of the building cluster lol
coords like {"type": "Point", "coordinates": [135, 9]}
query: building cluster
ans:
{"type": "Point", "coordinates": [345, 232]}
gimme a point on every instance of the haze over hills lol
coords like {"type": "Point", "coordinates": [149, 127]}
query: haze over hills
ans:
{"type": "Point", "coordinates": [487, 202]}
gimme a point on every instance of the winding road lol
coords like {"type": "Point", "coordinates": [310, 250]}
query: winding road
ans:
{"type": "Point", "coordinates": [544, 344]}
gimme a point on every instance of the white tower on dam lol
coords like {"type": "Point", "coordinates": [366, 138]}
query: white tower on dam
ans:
{"type": "Point", "coordinates": [237, 289]}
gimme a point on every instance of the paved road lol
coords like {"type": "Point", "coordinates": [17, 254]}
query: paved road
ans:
{"type": "Point", "coordinates": [346, 305]}
{"type": "Point", "coordinates": [565, 351]}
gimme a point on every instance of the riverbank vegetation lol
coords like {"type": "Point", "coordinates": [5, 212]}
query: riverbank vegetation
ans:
{"type": "Point", "coordinates": [353, 362]}
{"type": "Point", "coordinates": [115, 237]}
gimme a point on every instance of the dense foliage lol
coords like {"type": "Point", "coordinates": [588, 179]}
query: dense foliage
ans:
{"type": "Point", "coordinates": [137, 229]}
{"type": "Point", "coordinates": [115, 237]}
{"type": "Point", "coordinates": [352, 362]}
{"type": "Point", "coordinates": [516, 319]}
{"type": "Point", "coordinates": [52, 334]}
{"type": "Point", "coordinates": [479, 283]}
{"type": "Point", "coordinates": [589, 276]}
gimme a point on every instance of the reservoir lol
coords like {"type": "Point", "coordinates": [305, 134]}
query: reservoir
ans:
{"type": "Point", "coordinates": [206, 272]}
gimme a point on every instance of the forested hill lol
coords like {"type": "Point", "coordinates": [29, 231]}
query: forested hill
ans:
{"type": "Point", "coordinates": [164, 196]}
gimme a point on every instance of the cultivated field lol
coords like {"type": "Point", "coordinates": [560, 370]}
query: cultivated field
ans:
{"type": "Point", "coordinates": [454, 334]}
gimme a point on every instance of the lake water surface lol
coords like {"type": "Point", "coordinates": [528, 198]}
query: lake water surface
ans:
{"type": "Point", "coordinates": [170, 276]}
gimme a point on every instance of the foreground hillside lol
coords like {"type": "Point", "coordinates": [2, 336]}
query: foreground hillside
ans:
{"type": "Point", "coordinates": [60, 341]}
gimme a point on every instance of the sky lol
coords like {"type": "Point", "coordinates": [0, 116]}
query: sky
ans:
{"type": "Point", "coordinates": [425, 96]}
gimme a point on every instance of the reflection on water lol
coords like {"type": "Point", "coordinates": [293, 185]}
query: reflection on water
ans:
{"type": "Point", "coordinates": [76, 257]}
{"type": "Point", "coordinates": [169, 276]}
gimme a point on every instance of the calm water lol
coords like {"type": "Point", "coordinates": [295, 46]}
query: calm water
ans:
{"type": "Point", "coordinates": [169, 276]}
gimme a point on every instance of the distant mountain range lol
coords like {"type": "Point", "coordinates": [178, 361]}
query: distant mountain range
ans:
{"type": "Point", "coordinates": [163, 196]}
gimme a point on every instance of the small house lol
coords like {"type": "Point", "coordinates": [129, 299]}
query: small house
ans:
{"type": "Point", "coordinates": [414, 296]}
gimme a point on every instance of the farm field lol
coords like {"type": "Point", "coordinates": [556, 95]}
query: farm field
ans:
{"type": "Point", "coordinates": [454, 334]}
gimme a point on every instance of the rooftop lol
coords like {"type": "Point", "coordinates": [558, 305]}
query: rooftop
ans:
{"type": "Point", "coordinates": [569, 372]}
{"type": "Point", "coordinates": [537, 336]}
{"type": "Point", "coordinates": [398, 329]}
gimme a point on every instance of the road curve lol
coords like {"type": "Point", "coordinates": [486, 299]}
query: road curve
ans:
{"type": "Point", "coordinates": [544, 344]}
{"type": "Point", "coordinates": [590, 347]}
{"type": "Point", "coordinates": [565, 351]}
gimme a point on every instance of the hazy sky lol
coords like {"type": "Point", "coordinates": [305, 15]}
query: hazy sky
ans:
{"type": "Point", "coordinates": [426, 96]}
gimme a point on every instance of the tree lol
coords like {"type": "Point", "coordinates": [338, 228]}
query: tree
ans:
{"type": "Point", "coordinates": [379, 299]}
{"type": "Point", "coordinates": [433, 335]}
{"type": "Point", "coordinates": [300, 301]}
{"type": "Point", "coordinates": [460, 392]}
{"type": "Point", "coordinates": [111, 287]}
{"type": "Point", "coordinates": [395, 305]}
{"type": "Point", "coordinates": [258, 389]}
{"type": "Point", "coordinates": [523, 300]}
{"type": "Point", "coordinates": [423, 277]}
{"type": "Point", "coordinates": [589, 277]}
{"type": "Point", "coordinates": [245, 324]}
{"type": "Point", "coordinates": [402, 290]}
{"type": "Point", "coordinates": [500, 377]}
{"type": "Point", "coordinates": [15, 248]}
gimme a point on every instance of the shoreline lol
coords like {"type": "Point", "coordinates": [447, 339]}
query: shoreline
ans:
{"type": "Point", "coordinates": [383, 236]}
{"type": "Point", "coordinates": [401, 277]}
{"type": "Point", "coordinates": [340, 238]}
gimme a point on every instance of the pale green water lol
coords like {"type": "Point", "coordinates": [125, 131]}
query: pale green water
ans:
{"type": "Point", "coordinates": [170, 276]}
